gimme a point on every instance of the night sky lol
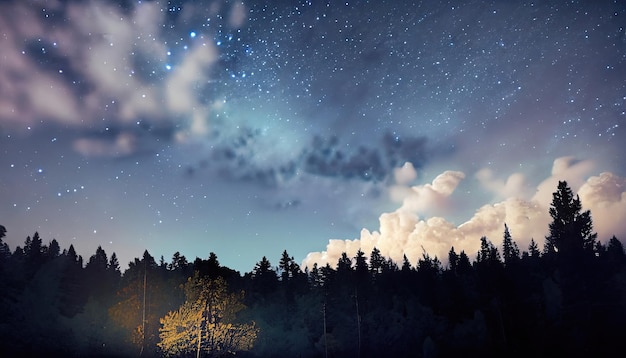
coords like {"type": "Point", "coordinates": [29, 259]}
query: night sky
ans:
{"type": "Point", "coordinates": [248, 128]}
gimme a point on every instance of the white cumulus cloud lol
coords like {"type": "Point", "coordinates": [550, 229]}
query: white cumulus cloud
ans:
{"type": "Point", "coordinates": [605, 196]}
{"type": "Point", "coordinates": [403, 232]}
{"type": "Point", "coordinates": [427, 197]}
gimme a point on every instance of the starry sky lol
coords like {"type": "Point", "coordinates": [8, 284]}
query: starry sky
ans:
{"type": "Point", "coordinates": [247, 128]}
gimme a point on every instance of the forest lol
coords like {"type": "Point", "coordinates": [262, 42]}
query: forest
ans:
{"type": "Point", "coordinates": [567, 298]}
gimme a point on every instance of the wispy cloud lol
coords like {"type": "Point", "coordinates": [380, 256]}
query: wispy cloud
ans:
{"type": "Point", "coordinates": [94, 65]}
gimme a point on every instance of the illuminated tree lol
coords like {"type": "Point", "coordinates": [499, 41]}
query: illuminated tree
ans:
{"type": "Point", "coordinates": [144, 296]}
{"type": "Point", "coordinates": [205, 323]}
{"type": "Point", "coordinates": [181, 330]}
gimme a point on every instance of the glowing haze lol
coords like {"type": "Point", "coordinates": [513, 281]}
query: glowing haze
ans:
{"type": "Point", "coordinates": [247, 128]}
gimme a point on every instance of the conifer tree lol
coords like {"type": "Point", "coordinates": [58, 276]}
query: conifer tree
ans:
{"type": "Point", "coordinates": [344, 264]}
{"type": "Point", "coordinates": [453, 260]}
{"type": "Point", "coordinates": [264, 277]}
{"type": "Point", "coordinates": [615, 251]}
{"type": "Point", "coordinates": [616, 245]}
{"type": "Point", "coordinates": [53, 249]}
{"type": "Point", "coordinates": [571, 229]}
{"type": "Point", "coordinates": [98, 262]}
{"type": "Point", "coordinates": [488, 254]}
{"type": "Point", "coordinates": [377, 261]}
{"type": "Point", "coordinates": [263, 268]}
{"type": "Point", "coordinates": [5, 252]}
{"type": "Point", "coordinates": [360, 264]}
{"type": "Point", "coordinates": [390, 266]}
{"type": "Point", "coordinates": [464, 265]}
{"type": "Point", "coordinates": [533, 249]}
{"type": "Point", "coordinates": [406, 264]}
{"type": "Point", "coordinates": [315, 276]}
{"type": "Point", "coordinates": [510, 251]}
{"type": "Point", "coordinates": [178, 262]}
{"type": "Point", "coordinates": [288, 267]}
{"type": "Point", "coordinates": [114, 266]}
{"type": "Point", "coordinates": [34, 253]}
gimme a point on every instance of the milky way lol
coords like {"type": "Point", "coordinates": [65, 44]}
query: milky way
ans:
{"type": "Point", "coordinates": [247, 128]}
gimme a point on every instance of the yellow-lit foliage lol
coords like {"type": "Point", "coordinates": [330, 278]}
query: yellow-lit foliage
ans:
{"type": "Point", "coordinates": [206, 321]}
{"type": "Point", "coordinates": [181, 329]}
{"type": "Point", "coordinates": [127, 311]}
{"type": "Point", "coordinates": [144, 293]}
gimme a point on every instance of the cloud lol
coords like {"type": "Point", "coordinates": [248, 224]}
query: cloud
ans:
{"type": "Point", "coordinates": [120, 146]}
{"type": "Point", "coordinates": [28, 92]}
{"type": "Point", "coordinates": [405, 174]}
{"type": "Point", "coordinates": [252, 154]}
{"type": "Point", "coordinates": [101, 66]}
{"type": "Point", "coordinates": [605, 196]}
{"type": "Point", "coordinates": [514, 186]}
{"type": "Point", "coordinates": [565, 168]}
{"type": "Point", "coordinates": [237, 15]}
{"type": "Point", "coordinates": [429, 197]}
{"type": "Point", "coordinates": [326, 157]}
{"type": "Point", "coordinates": [181, 88]}
{"type": "Point", "coordinates": [402, 232]}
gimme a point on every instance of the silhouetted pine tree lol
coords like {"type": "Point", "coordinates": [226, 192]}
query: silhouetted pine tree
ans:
{"type": "Point", "coordinates": [377, 261]}
{"type": "Point", "coordinates": [510, 251]}
{"type": "Point", "coordinates": [406, 264]}
{"type": "Point", "coordinates": [533, 249]}
{"type": "Point", "coordinates": [615, 252]}
{"type": "Point", "coordinates": [53, 250]}
{"type": "Point", "coordinates": [361, 268]}
{"type": "Point", "coordinates": [453, 260]}
{"type": "Point", "coordinates": [5, 252]}
{"type": "Point", "coordinates": [73, 293]}
{"type": "Point", "coordinates": [488, 256]}
{"type": "Point", "coordinates": [264, 278]}
{"type": "Point", "coordinates": [571, 229]}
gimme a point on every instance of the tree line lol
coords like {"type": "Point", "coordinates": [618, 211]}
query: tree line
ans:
{"type": "Point", "coordinates": [565, 299]}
